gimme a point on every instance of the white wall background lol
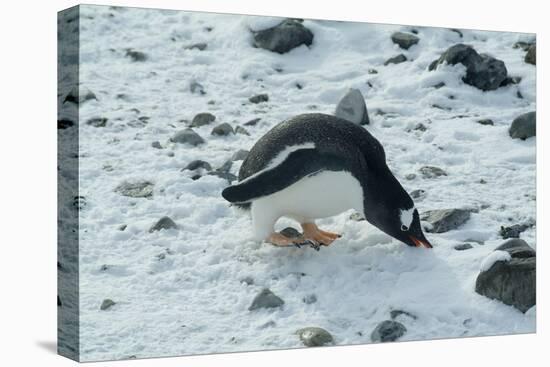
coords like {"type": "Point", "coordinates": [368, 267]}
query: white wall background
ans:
{"type": "Point", "coordinates": [28, 182]}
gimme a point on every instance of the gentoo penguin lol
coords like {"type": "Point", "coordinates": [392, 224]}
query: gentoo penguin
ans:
{"type": "Point", "coordinates": [314, 166]}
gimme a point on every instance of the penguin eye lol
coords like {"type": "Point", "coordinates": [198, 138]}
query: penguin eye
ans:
{"type": "Point", "coordinates": [404, 228]}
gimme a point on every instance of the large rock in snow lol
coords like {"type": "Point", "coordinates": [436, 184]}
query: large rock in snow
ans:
{"type": "Point", "coordinates": [445, 219]}
{"type": "Point", "coordinates": [314, 336]}
{"type": "Point", "coordinates": [201, 119]}
{"type": "Point", "coordinates": [266, 299]}
{"type": "Point", "coordinates": [352, 107]}
{"type": "Point", "coordinates": [404, 40]}
{"type": "Point", "coordinates": [283, 37]}
{"type": "Point", "coordinates": [524, 126]}
{"type": "Point", "coordinates": [511, 279]}
{"type": "Point", "coordinates": [482, 71]}
{"type": "Point", "coordinates": [388, 331]}
{"type": "Point", "coordinates": [531, 55]}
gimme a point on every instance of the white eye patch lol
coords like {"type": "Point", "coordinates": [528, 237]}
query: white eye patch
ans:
{"type": "Point", "coordinates": [406, 217]}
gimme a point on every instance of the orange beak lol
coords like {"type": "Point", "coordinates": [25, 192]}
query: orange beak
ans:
{"type": "Point", "coordinates": [420, 243]}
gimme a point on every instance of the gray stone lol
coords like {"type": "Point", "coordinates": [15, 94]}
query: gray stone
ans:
{"type": "Point", "coordinates": [138, 189]}
{"type": "Point", "coordinates": [396, 60]}
{"type": "Point", "coordinates": [197, 88]}
{"type": "Point", "coordinates": [163, 223]}
{"type": "Point", "coordinates": [463, 246]}
{"type": "Point", "coordinates": [410, 176]}
{"type": "Point", "coordinates": [283, 37]}
{"type": "Point", "coordinates": [444, 220]}
{"type": "Point", "coordinates": [156, 145]}
{"type": "Point", "coordinates": [290, 232]}
{"type": "Point", "coordinates": [266, 299]}
{"type": "Point", "coordinates": [309, 299]}
{"type": "Point", "coordinates": [315, 336]}
{"type": "Point", "coordinates": [136, 56]}
{"type": "Point", "coordinates": [531, 55]}
{"type": "Point", "coordinates": [197, 164]}
{"type": "Point", "coordinates": [187, 136]}
{"type": "Point", "coordinates": [388, 331]}
{"type": "Point", "coordinates": [524, 126]}
{"type": "Point", "coordinates": [239, 155]}
{"type": "Point", "coordinates": [352, 107]}
{"type": "Point", "coordinates": [223, 130]}
{"type": "Point", "coordinates": [482, 71]}
{"type": "Point", "coordinates": [79, 95]}
{"type": "Point", "coordinates": [513, 231]}
{"type": "Point", "coordinates": [432, 172]}
{"type": "Point", "coordinates": [259, 98]}
{"type": "Point", "coordinates": [523, 45]}
{"type": "Point", "coordinates": [396, 313]}
{"type": "Point", "coordinates": [97, 122]}
{"type": "Point", "coordinates": [106, 304]}
{"type": "Point", "coordinates": [252, 122]}
{"type": "Point", "coordinates": [357, 217]}
{"type": "Point", "coordinates": [485, 122]}
{"type": "Point", "coordinates": [201, 46]}
{"type": "Point", "coordinates": [511, 282]}
{"type": "Point", "coordinates": [201, 119]}
{"type": "Point", "coordinates": [417, 194]}
{"type": "Point", "coordinates": [241, 130]}
{"type": "Point", "coordinates": [404, 40]}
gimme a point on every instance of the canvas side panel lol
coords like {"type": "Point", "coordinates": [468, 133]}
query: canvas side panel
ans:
{"type": "Point", "coordinates": [68, 99]}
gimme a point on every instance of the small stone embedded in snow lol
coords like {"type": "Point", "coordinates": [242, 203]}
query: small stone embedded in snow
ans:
{"type": "Point", "coordinates": [156, 145]}
{"type": "Point", "coordinates": [388, 331]}
{"type": "Point", "coordinates": [493, 257]}
{"type": "Point", "coordinates": [444, 220]}
{"type": "Point", "coordinates": [463, 246]}
{"type": "Point", "coordinates": [524, 126]}
{"type": "Point", "coordinates": [404, 40]}
{"type": "Point", "coordinates": [187, 136]}
{"type": "Point", "coordinates": [136, 56]}
{"type": "Point", "coordinates": [197, 164]}
{"type": "Point", "coordinates": [395, 60]}
{"type": "Point", "coordinates": [79, 95]}
{"type": "Point", "coordinates": [241, 130]}
{"type": "Point", "coordinates": [259, 98]}
{"type": "Point", "coordinates": [266, 299]}
{"type": "Point", "coordinates": [163, 223]}
{"type": "Point", "coordinates": [223, 130]}
{"type": "Point", "coordinates": [252, 122]}
{"type": "Point", "coordinates": [239, 155]}
{"type": "Point", "coordinates": [352, 107]}
{"type": "Point", "coordinates": [432, 172]}
{"type": "Point", "coordinates": [314, 336]}
{"type": "Point", "coordinates": [531, 55]}
{"type": "Point", "coordinates": [201, 46]}
{"type": "Point", "coordinates": [137, 189]}
{"type": "Point", "coordinates": [197, 88]}
{"type": "Point", "coordinates": [283, 37]}
{"type": "Point", "coordinates": [201, 119]}
{"type": "Point", "coordinates": [309, 299]}
{"type": "Point", "coordinates": [106, 304]}
{"type": "Point", "coordinates": [97, 122]}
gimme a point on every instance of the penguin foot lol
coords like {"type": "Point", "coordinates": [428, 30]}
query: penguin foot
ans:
{"type": "Point", "coordinates": [312, 232]}
{"type": "Point", "coordinates": [280, 240]}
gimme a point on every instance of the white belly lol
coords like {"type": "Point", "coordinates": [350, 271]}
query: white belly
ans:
{"type": "Point", "coordinates": [322, 195]}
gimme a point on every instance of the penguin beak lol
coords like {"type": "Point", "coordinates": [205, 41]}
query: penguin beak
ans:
{"type": "Point", "coordinates": [420, 243]}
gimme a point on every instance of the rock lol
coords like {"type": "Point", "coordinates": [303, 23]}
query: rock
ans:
{"type": "Point", "coordinates": [187, 136]}
{"type": "Point", "coordinates": [79, 95]}
{"type": "Point", "coordinates": [432, 172]}
{"type": "Point", "coordinates": [248, 280]}
{"type": "Point", "coordinates": [197, 88]}
{"type": "Point", "coordinates": [163, 223]}
{"type": "Point", "coordinates": [444, 220]}
{"type": "Point", "coordinates": [223, 130]}
{"type": "Point", "coordinates": [485, 122]}
{"type": "Point", "coordinates": [239, 155]}
{"type": "Point", "coordinates": [290, 232]}
{"type": "Point", "coordinates": [241, 130]}
{"type": "Point", "coordinates": [314, 336]}
{"type": "Point", "coordinates": [523, 45]}
{"type": "Point", "coordinates": [457, 31]}
{"type": "Point", "coordinates": [512, 282]}
{"type": "Point", "coordinates": [372, 71]}
{"type": "Point", "coordinates": [395, 313]}
{"type": "Point", "coordinates": [463, 246]}
{"type": "Point", "coordinates": [122, 227]}
{"type": "Point", "coordinates": [202, 119]}
{"type": "Point", "coordinates": [259, 98]}
{"type": "Point", "coordinates": [404, 40]}
{"type": "Point", "coordinates": [252, 122]}
{"type": "Point", "coordinates": [198, 164]}
{"type": "Point", "coordinates": [136, 56]}
{"type": "Point", "coordinates": [59, 303]}
{"type": "Point", "coordinates": [531, 55]}
{"type": "Point", "coordinates": [156, 145]}
{"type": "Point", "coordinates": [97, 122]}
{"type": "Point", "coordinates": [357, 217]}
{"type": "Point", "coordinates": [138, 189]}
{"type": "Point", "coordinates": [283, 37]}
{"type": "Point", "coordinates": [64, 123]}
{"type": "Point", "coordinates": [106, 304]}
{"type": "Point", "coordinates": [396, 60]}
{"type": "Point", "coordinates": [417, 194]}
{"type": "Point", "coordinates": [388, 331]}
{"type": "Point", "coordinates": [309, 299]}
{"type": "Point", "coordinates": [482, 71]}
{"type": "Point", "coordinates": [352, 107]}
{"type": "Point", "coordinates": [524, 126]}
{"type": "Point", "coordinates": [201, 46]}
{"type": "Point", "coordinates": [513, 231]}
{"type": "Point", "coordinates": [439, 85]}
{"type": "Point", "coordinates": [420, 127]}
{"type": "Point", "coordinates": [266, 299]}
{"type": "Point", "coordinates": [410, 176]}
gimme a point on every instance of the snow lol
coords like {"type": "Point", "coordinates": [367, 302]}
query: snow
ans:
{"type": "Point", "coordinates": [179, 292]}
{"type": "Point", "coordinates": [493, 257]}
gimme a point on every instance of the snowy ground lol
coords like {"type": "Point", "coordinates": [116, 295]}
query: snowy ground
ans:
{"type": "Point", "coordinates": [191, 299]}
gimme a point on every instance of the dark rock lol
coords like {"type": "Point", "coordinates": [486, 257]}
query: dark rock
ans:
{"type": "Point", "coordinates": [439, 85]}
{"type": "Point", "coordinates": [512, 282]}
{"type": "Point", "coordinates": [97, 122]}
{"type": "Point", "coordinates": [417, 194]}
{"type": "Point", "coordinates": [531, 55]}
{"type": "Point", "coordinates": [523, 45]}
{"type": "Point", "coordinates": [252, 122]}
{"type": "Point", "coordinates": [239, 155]}
{"type": "Point", "coordinates": [420, 127]}
{"type": "Point", "coordinates": [259, 98]}
{"type": "Point", "coordinates": [106, 304]}
{"type": "Point", "coordinates": [202, 119]}
{"type": "Point", "coordinates": [266, 299]}
{"type": "Point", "coordinates": [457, 31]}
{"type": "Point", "coordinates": [187, 136]}
{"type": "Point", "coordinates": [290, 232]}
{"type": "Point", "coordinates": [485, 122]}
{"type": "Point", "coordinates": [64, 123]}
{"type": "Point", "coordinates": [396, 60]}
{"type": "Point", "coordinates": [524, 126]}
{"type": "Point", "coordinates": [138, 189]}
{"type": "Point", "coordinates": [163, 223]}
{"type": "Point", "coordinates": [352, 107]}
{"type": "Point", "coordinates": [517, 248]}
{"type": "Point", "coordinates": [404, 40]}
{"type": "Point", "coordinates": [388, 331]}
{"type": "Point", "coordinates": [156, 145]}
{"type": "Point", "coordinates": [314, 336]}
{"type": "Point", "coordinates": [463, 246]}
{"type": "Point", "coordinates": [444, 220]}
{"type": "Point", "coordinates": [513, 231]}
{"type": "Point", "coordinates": [223, 130]}
{"type": "Point", "coordinates": [372, 71]}
{"type": "Point", "coordinates": [59, 303]}
{"type": "Point", "coordinates": [79, 95]}
{"type": "Point", "coordinates": [357, 217]}
{"type": "Point", "coordinates": [197, 46]}
{"type": "Point", "coordinates": [136, 56]}
{"type": "Point", "coordinates": [283, 37]}
{"type": "Point", "coordinates": [432, 172]}
{"type": "Point", "coordinates": [241, 130]}
{"type": "Point", "coordinates": [197, 88]}
{"type": "Point", "coordinates": [309, 299]}
{"type": "Point", "coordinates": [410, 176]}
{"type": "Point", "coordinates": [395, 313]}
{"type": "Point", "coordinates": [122, 227]}
{"type": "Point", "coordinates": [198, 164]}
{"type": "Point", "coordinates": [482, 71]}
